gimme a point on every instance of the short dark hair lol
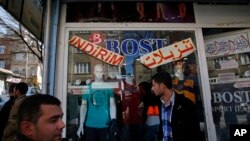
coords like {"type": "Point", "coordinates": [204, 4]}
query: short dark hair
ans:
{"type": "Point", "coordinates": [163, 77]}
{"type": "Point", "coordinates": [22, 87]}
{"type": "Point", "coordinates": [29, 109]}
{"type": "Point", "coordinates": [11, 88]}
{"type": "Point", "coordinates": [146, 86]}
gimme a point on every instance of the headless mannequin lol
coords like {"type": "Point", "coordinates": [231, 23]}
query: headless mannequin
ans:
{"type": "Point", "coordinates": [98, 72]}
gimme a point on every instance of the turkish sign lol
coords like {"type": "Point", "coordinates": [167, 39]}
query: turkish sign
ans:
{"type": "Point", "coordinates": [228, 44]}
{"type": "Point", "coordinates": [96, 51]}
{"type": "Point", "coordinates": [168, 54]}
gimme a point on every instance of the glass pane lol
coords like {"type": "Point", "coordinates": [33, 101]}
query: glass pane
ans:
{"type": "Point", "coordinates": [125, 56]}
{"type": "Point", "coordinates": [228, 63]}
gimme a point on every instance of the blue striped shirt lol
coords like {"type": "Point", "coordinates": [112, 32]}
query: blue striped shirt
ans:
{"type": "Point", "coordinates": [166, 115]}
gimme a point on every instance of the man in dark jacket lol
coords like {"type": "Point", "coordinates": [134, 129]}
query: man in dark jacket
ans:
{"type": "Point", "coordinates": [177, 113]}
{"type": "Point", "coordinates": [5, 112]}
{"type": "Point", "coordinates": [11, 127]}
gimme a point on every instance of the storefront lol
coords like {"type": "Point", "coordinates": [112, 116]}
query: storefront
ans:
{"type": "Point", "coordinates": [136, 40]}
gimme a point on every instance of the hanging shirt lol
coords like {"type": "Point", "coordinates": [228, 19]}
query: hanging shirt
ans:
{"type": "Point", "coordinates": [185, 87]}
{"type": "Point", "coordinates": [131, 106]}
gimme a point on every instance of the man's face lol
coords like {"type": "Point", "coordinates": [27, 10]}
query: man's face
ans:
{"type": "Point", "coordinates": [157, 88]}
{"type": "Point", "coordinates": [16, 92]}
{"type": "Point", "coordinates": [98, 72]}
{"type": "Point", "coordinates": [50, 125]}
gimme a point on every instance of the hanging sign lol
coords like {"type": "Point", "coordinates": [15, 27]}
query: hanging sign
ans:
{"type": "Point", "coordinates": [168, 54]}
{"type": "Point", "coordinates": [227, 44]}
{"type": "Point", "coordinates": [96, 51]}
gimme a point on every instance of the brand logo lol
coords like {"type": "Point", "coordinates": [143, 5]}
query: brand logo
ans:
{"type": "Point", "coordinates": [239, 132]}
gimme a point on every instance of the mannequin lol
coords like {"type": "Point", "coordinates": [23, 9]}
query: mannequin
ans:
{"type": "Point", "coordinates": [97, 109]}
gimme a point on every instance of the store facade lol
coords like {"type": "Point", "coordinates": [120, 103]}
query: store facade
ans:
{"type": "Point", "coordinates": [205, 46]}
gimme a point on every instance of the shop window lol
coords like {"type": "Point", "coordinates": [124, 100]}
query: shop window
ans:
{"type": "Point", "coordinates": [228, 61]}
{"type": "Point", "coordinates": [129, 57]}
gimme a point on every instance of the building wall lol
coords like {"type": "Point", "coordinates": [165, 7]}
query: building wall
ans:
{"type": "Point", "coordinates": [8, 43]}
{"type": "Point", "coordinates": [16, 58]}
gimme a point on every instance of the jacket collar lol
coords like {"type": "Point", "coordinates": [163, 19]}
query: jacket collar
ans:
{"type": "Point", "coordinates": [21, 137]}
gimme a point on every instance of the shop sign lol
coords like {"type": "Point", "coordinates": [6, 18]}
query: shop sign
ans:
{"type": "Point", "coordinates": [227, 98]}
{"type": "Point", "coordinates": [228, 44]}
{"type": "Point", "coordinates": [152, 59]}
{"type": "Point", "coordinates": [96, 51]}
{"type": "Point", "coordinates": [168, 54]}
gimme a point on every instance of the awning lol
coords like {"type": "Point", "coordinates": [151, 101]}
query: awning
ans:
{"type": "Point", "coordinates": [13, 79]}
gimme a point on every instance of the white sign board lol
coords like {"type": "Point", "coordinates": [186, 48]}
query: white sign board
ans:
{"type": "Point", "coordinates": [228, 44]}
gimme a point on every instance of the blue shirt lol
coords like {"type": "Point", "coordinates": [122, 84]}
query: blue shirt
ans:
{"type": "Point", "coordinates": [166, 115]}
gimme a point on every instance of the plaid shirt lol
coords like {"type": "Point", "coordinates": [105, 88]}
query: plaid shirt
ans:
{"type": "Point", "coordinates": [166, 120]}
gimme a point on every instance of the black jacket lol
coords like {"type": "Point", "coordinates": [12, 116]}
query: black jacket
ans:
{"type": "Point", "coordinates": [185, 124]}
{"type": "Point", "coordinates": [4, 115]}
{"type": "Point", "coordinates": [21, 137]}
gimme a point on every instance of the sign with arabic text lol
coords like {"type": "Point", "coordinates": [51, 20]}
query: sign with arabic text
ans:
{"type": "Point", "coordinates": [227, 44]}
{"type": "Point", "coordinates": [168, 54]}
{"type": "Point", "coordinates": [96, 51]}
